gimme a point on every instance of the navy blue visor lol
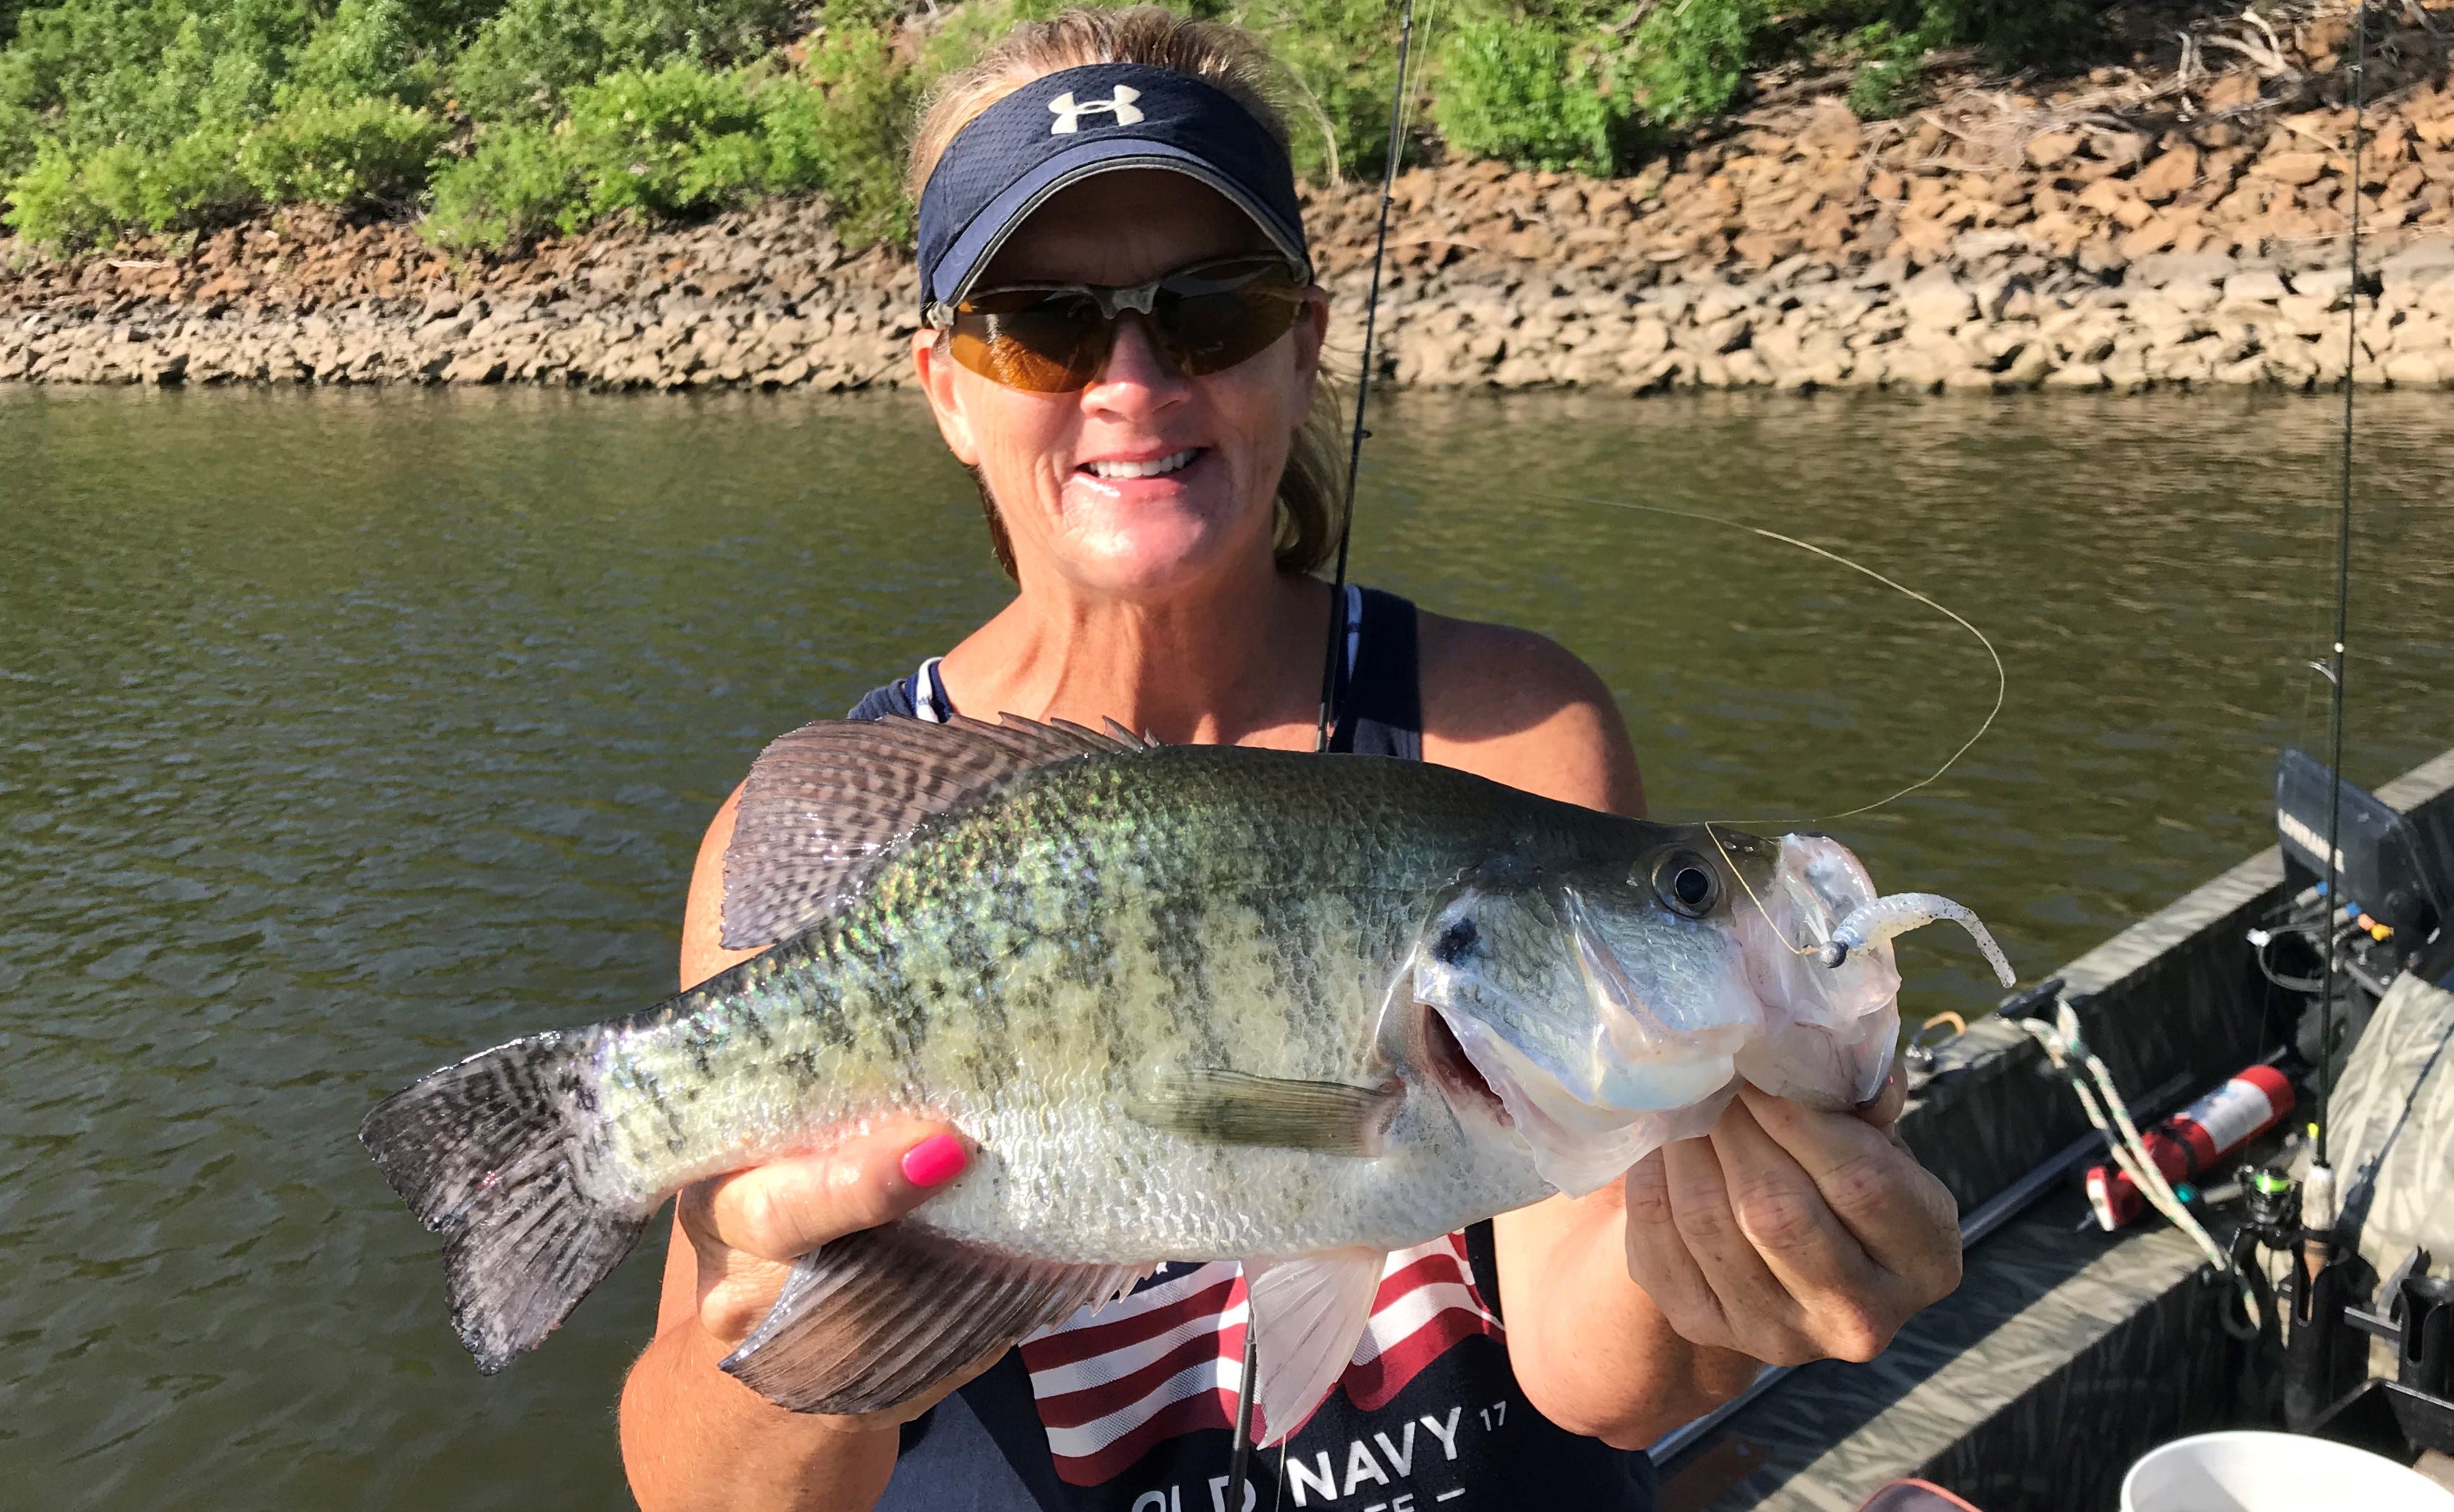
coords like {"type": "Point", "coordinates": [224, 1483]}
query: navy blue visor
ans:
{"type": "Point", "coordinates": [1065, 127]}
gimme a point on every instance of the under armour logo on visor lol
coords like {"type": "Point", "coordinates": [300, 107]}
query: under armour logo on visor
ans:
{"type": "Point", "coordinates": [1069, 115]}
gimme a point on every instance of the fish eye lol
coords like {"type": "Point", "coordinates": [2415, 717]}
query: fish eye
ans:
{"type": "Point", "coordinates": [1686, 884]}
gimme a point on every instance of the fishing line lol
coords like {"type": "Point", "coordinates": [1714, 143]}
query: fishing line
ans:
{"type": "Point", "coordinates": [2002, 677]}
{"type": "Point", "coordinates": [2002, 686]}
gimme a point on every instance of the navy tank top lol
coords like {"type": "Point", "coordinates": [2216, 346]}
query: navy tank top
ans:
{"type": "Point", "coordinates": [1131, 1408]}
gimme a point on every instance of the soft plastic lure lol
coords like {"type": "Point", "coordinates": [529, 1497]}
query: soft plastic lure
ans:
{"type": "Point", "coordinates": [1872, 923]}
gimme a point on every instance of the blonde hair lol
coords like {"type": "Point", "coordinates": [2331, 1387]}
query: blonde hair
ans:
{"type": "Point", "coordinates": [1310, 505]}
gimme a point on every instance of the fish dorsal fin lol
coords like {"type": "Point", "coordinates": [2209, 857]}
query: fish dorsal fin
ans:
{"type": "Point", "coordinates": [823, 803]}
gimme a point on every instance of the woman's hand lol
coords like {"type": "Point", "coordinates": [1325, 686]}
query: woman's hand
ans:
{"type": "Point", "coordinates": [746, 1229]}
{"type": "Point", "coordinates": [694, 1437]}
{"type": "Point", "coordinates": [1791, 1235]}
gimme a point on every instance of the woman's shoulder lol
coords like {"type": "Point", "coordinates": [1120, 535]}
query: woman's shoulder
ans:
{"type": "Point", "coordinates": [1487, 662]}
{"type": "Point", "coordinates": [1518, 707]}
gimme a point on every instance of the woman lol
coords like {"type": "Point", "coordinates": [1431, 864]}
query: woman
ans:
{"type": "Point", "coordinates": [1123, 344]}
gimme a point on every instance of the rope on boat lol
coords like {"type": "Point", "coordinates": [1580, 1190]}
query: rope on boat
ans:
{"type": "Point", "coordinates": [2064, 1047]}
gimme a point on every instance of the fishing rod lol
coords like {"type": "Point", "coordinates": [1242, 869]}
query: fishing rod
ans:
{"type": "Point", "coordinates": [2342, 582]}
{"type": "Point", "coordinates": [1363, 382]}
{"type": "Point", "coordinates": [2317, 1299]}
{"type": "Point", "coordinates": [1240, 1459]}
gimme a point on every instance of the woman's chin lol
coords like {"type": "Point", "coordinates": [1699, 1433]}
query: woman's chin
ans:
{"type": "Point", "coordinates": [1135, 567]}
{"type": "Point", "coordinates": [1144, 546]}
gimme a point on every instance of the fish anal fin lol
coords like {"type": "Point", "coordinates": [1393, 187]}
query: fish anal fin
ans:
{"type": "Point", "coordinates": [877, 1318]}
{"type": "Point", "coordinates": [1308, 1314]}
{"type": "Point", "coordinates": [824, 803]}
{"type": "Point", "coordinates": [1237, 1107]}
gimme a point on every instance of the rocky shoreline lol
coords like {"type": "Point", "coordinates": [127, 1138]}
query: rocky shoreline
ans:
{"type": "Point", "coordinates": [2127, 231]}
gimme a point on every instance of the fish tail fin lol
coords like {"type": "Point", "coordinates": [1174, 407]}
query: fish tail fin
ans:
{"type": "Point", "coordinates": [487, 1152]}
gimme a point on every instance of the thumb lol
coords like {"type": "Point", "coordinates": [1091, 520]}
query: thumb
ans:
{"type": "Point", "coordinates": [786, 1208]}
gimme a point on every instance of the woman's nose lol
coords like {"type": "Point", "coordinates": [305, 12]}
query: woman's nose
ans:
{"type": "Point", "coordinates": [1137, 378]}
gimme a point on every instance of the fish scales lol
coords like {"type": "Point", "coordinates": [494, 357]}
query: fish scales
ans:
{"type": "Point", "coordinates": [1023, 964]}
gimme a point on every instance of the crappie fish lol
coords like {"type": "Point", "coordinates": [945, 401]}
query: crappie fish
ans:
{"type": "Point", "coordinates": [1190, 1003]}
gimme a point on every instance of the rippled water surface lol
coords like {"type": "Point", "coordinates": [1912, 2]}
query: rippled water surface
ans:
{"type": "Point", "coordinates": [340, 736]}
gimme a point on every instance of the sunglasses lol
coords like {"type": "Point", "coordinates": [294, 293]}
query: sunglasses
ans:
{"type": "Point", "coordinates": [1053, 338]}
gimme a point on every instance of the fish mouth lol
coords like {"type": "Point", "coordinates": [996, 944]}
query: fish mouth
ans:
{"type": "Point", "coordinates": [1578, 1144]}
{"type": "Point", "coordinates": [1829, 1030]}
{"type": "Point", "coordinates": [1454, 1070]}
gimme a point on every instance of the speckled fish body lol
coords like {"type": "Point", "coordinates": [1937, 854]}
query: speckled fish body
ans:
{"type": "Point", "coordinates": [1025, 968]}
{"type": "Point", "coordinates": [1187, 1002]}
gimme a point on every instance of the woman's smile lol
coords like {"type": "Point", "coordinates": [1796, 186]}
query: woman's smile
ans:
{"type": "Point", "coordinates": [1123, 467]}
{"type": "Point", "coordinates": [1183, 476]}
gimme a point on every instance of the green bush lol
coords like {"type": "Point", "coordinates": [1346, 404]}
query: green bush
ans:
{"type": "Point", "coordinates": [67, 198]}
{"type": "Point", "coordinates": [118, 114]}
{"type": "Point", "coordinates": [521, 183]}
{"type": "Point", "coordinates": [528, 116]}
{"type": "Point", "coordinates": [1534, 89]}
{"type": "Point", "coordinates": [322, 151]}
{"type": "Point", "coordinates": [684, 139]}
{"type": "Point", "coordinates": [665, 141]}
{"type": "Point", "coordinates": [674, 140]}
{"type": "Point", "coordinates": [1344, 55]}
{"type": "Point", "coordinates": [530, 52]}
{"type": "Point", "coordinates": [90, 72]}
{"type": "Point", "coordinates": [375, 50]}
{"type": "Point", "coordinates": [49, 202]}
{"type": "Point", "coordinates": [1689, 58]}
{"type": "Point", "coordinates": [840, 127]}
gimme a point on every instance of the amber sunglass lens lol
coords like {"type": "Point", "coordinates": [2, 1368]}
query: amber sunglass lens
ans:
{"type": "Point", "coordinates": [1213, 328]}
{"type": "Point", "coordinates": [1045, 346]}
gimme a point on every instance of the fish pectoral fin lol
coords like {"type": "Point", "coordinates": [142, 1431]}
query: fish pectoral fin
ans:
{"type": "Point", "coordinates": [1237, 1107]}
{"type": "Point", "coordinates": [879, 1317]}
{"type": "Point", "coordinates": [1307, 1316]}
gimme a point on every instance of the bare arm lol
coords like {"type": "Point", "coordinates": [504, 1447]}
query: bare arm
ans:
{"type": "Point", "coordinates": [694, 1440]}
{"type": "Point", "coordinates": [1785, 1235]}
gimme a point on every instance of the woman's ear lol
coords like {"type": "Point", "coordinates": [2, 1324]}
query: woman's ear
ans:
{"type": "Point", "coordinates": [934, 365]}
{"type": "Point", "coordinates": [1311, 329]}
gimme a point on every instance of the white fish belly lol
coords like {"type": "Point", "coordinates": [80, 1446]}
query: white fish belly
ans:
{"type": "Point", "coordinates": [1080, 1184]}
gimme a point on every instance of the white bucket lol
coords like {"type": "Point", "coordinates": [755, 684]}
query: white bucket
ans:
{"type": "Point", "coordinates": [2274, 1472]}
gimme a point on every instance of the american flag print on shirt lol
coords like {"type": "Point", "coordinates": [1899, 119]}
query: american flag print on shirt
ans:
{"type": "Point", "coordinates": [1169, 1357]}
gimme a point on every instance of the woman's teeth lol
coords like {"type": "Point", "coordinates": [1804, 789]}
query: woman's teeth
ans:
{"type": "Point", "coordinates": [1151, 469]}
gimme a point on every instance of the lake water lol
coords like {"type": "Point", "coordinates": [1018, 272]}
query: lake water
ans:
{"type": "Point", "coordinates": [341, 735]}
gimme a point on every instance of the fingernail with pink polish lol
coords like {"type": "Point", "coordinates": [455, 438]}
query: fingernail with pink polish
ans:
{"type": "Point", "coordinates": [935, 1161]}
